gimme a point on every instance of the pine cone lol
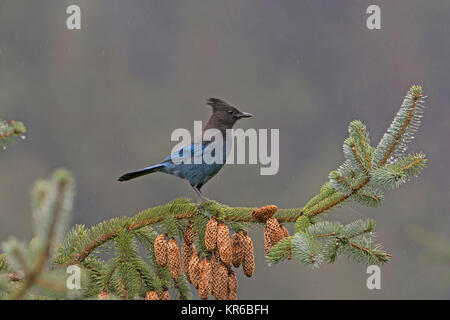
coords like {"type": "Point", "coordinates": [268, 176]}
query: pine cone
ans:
{"type": "Point", "coordinates": [224, 244]}
{"type": "Point", "coordinates": [151, 295]}
{"type": "Point", "coordinates": [264, 213]}
{"type": "Point", "coordinates": [173, 258]}
{"type": "Point", "coordinates": [103, 295]}
{"type": "Point", "coordinates": [160, 247]}
{"type": "Point", "coordinates": [232, 285]}
{"type": "Point", "coordinates": [189, 235]}
{"type": "Point", "coordinates": [237, 243]}
{"type": "Point", "coordinates": [164, 295]}
{"type": "Point", "coordinates": [194, 270]}
{"type": "Point", "coordinates": [216, 255]}
{"type": "Point", "coordinates": [274, 230]}
{"type": "Point", "coordinates": [215, 258]}
{"type": "Point", "coordinates": [211, 234]}
{"type": "Point", "coordinates": [267, 241]}
{"type": "Point", "coordinates": [215, 261]}
{"type": "Point", "coordinates": [186, 254]}
{"type": "Point", "coordinates": [221, 281]}
{"type": "Point", "coordinates": [248, 263]}
{"type": "Point", "coordinates": [205, 279]}
{"type": "Point", "coordinates": [16, 276]}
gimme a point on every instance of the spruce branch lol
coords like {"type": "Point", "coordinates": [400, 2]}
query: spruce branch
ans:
{"type": "Point", "coordinates": [52, 200]}
{"type": "Point", "coordinates": [3, 263]}
{"type": "Point", "coordinates": [357, 149]}
{"type": "Point", "coordinates": [11, 132]}
{"type": "Point", "coordinates": [98, 235]}
{"type": "Point", "coordinates": [402, 129]}
{"type": "Point", "coordinates": [395, 174]}
{"type": "Point", "coordinates": [325, 240]}
{"type": "Point", "coordinates": [359, 169]}
{"type": "Point", "coordinates": [182, 288]}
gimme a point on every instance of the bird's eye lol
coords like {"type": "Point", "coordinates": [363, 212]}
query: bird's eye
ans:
{"type": "Point", "coordinates": [230, 111]}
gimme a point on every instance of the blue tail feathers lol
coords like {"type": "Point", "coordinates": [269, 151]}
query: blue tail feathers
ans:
{"type": "Point", "coordinates": [142, 172]}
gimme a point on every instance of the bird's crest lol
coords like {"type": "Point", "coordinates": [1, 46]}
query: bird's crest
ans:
{"type": "Point", "coordinates": [216, 103]}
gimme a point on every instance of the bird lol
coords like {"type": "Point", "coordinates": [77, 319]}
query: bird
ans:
{"type": "Point", "coordinates": [197, 173]}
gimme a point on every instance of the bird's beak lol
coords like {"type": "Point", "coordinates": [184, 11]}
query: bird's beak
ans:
{"type": "Point", "coordinates": [245, 115]}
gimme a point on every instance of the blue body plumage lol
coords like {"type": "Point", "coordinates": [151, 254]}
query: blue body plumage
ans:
{"type": "Point", "coordinates": [185, 162]}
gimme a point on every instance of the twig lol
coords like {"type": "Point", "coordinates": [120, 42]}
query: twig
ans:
{"type": "Point", "coordinates": [32, 276]}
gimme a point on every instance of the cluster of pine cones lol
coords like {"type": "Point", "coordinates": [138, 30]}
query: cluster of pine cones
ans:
{"type": "Point", "coordinates": [213, 274]}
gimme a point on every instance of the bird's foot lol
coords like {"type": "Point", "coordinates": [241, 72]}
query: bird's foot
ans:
{"type": "Point", "coordinates": [201, 203]}
{"type": "Point", "coordinates": [200, 195]}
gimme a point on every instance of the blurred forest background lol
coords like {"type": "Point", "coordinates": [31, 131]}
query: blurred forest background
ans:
{"type": "Point", "coordinates": [104, 100]}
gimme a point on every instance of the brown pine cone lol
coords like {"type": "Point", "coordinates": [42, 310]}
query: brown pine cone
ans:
{"type": "Point", "coordinates": [103, 295]}
{"type": "Point", "coordinates": [224, 244]}
{"type": "Point", "coordinates": [264, 213]}
{"type": "Point", "coordinates": [267, 241]}
{"type": "Point", "coordinates": [160, 247]}
{"type": "Point", "coordinates": [215, 261]}
{"type": "Point", "coordinates": [189, 235]}
{"type": "Point", "coordinates": [164, 295]}
{"type": "Point", "coordinates": [216, 254]}
{"type": "Point", "coordinates": [205, 279]}
{"type": "Point", "coordinates": [248, 263]}
{"type": "Point", "coordinates": [173, 258]}
{"type": "Point", "coordinates": [211, 234]}
{"type": "Point", "coordinates": [221, 281]}
{"type": "Point", "coordinates": [151, 295]}
{"type": "Point", "coordinates": [194, 270]}
{"type": "Point", "coordinates": [186, 254]}
{"type": "Point", "coordinates": [237, 243]}
{"type": "Point", "coordinates": [16, 276]}
{"type": "Point", "coordinates": [215, 258]}
{"type": "Point", "coordinates": [232, 285]}
{"type": "Point", "coordinates": [274, 230]}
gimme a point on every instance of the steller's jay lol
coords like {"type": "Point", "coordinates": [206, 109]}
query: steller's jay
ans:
{"type": "Point", "coordinates": [224, 116]}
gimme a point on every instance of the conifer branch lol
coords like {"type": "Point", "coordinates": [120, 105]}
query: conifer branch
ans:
{"type": "Point", "coordinates": [9, 133]}
{"type": "Point", "coordinates": [3, 263]}
{"type": "Point", "coordinates": [237, 214]}
{"type": "Point", "coordinates": [56, 200]}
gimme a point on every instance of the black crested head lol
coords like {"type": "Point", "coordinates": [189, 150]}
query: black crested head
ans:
{"type": "Point", "coordinates": [216, 103]}
{"type": "Point", "coordinates": [224, 115]}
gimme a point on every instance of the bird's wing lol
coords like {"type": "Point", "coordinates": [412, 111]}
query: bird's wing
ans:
{"type": "Point", "coordinates": [187, 154]}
